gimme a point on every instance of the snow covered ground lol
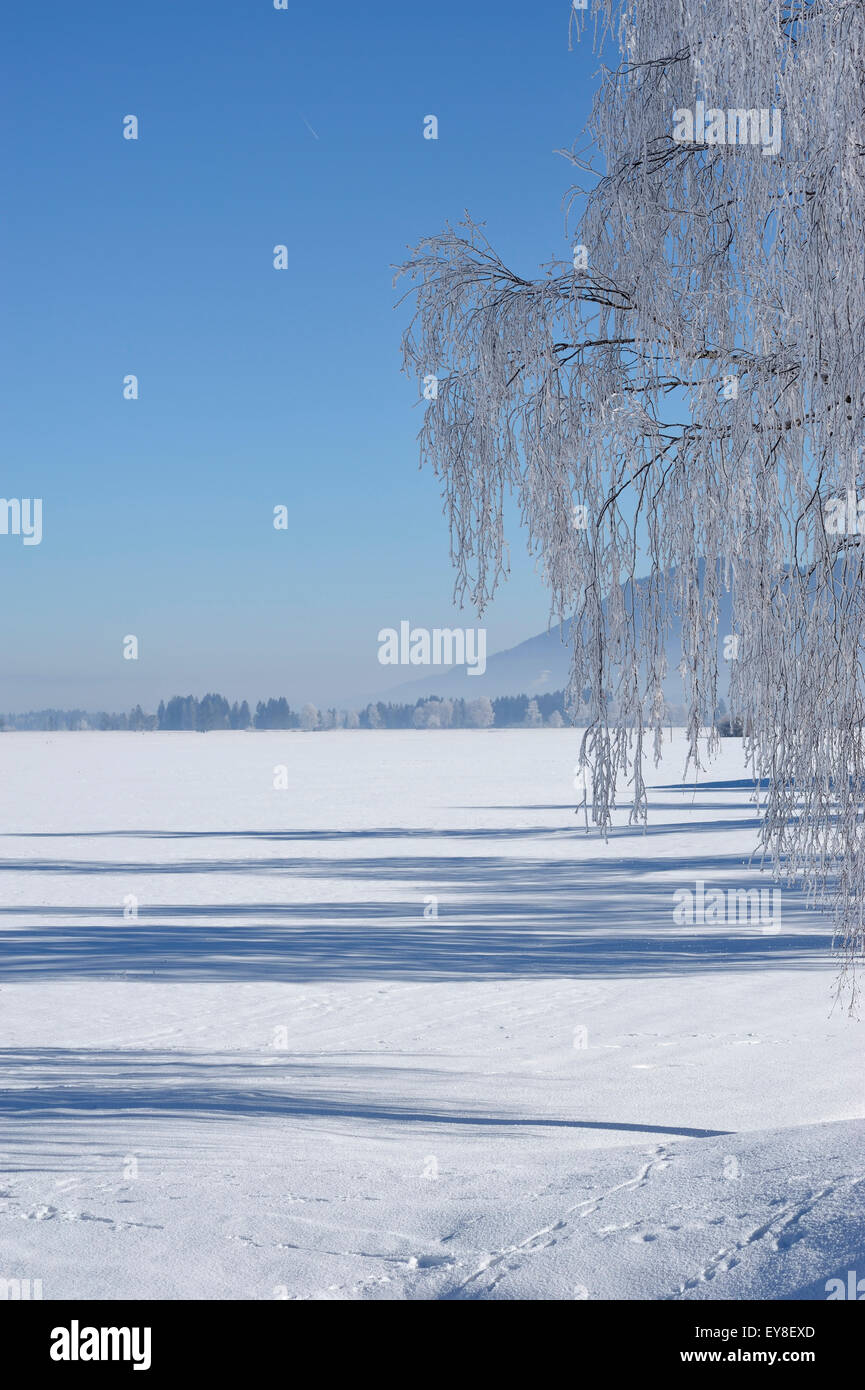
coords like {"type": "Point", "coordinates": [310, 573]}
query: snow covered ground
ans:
{"type": "Point", "coordinates": [287, 1077]}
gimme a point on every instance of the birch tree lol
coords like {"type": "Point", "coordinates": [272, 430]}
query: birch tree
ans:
{"type": "Point", "coordinates": [682, 399]}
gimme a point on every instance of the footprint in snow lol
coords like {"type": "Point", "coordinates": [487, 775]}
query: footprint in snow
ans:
{"type": "Point", "coordinates": [43, 1213]}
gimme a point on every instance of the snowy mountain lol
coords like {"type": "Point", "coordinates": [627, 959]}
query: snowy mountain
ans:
{"type": "Point", "coordinates": [540, 664]}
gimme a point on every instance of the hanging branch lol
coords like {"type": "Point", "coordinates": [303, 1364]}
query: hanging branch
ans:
{"type": "Point", "coordinates": [609, 388]}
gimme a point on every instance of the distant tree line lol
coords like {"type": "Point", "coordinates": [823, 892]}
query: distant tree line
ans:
{"type": "Point", "coordinates": [212, 711]}
{"type": "Point", "coordinates": [64, 719]}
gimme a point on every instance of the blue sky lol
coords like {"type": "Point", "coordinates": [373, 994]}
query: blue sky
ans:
{"type": "Point", "coordinates": [257, 387]}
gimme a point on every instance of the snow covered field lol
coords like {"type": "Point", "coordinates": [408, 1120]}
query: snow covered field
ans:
{"type": "Point", "coordinates": [287, 1077]}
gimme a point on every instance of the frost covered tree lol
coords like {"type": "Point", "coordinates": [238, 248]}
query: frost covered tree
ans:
{"type": "Point", "coordinates": [480, 713]}
{"type": "Point", "coordinates": [682, 400]}
{"type": "Point", "coordinates": [309, 718]}
{"type": "Point", "coordinates": [426, 715]}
